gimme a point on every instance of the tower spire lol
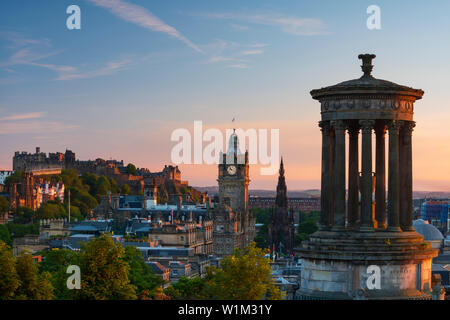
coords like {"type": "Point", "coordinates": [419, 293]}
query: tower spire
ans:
{"type": "Point", "coordinates": [281, 200]}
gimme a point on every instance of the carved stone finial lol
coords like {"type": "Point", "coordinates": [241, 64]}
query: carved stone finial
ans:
{"type": "Point", "coordinates": [367, 63]}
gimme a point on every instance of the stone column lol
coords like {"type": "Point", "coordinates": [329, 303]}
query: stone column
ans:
{"type": "Point", "coordinates": [366, 179]}
{"type": "Point", "coordinates": [405, 162]}
{"type": "Point", "coordinates": [326, 189]}
{"type": "Point", "coordinates": [353, 176]}
{"type": "Point", "coordinates": [380, 169]}
{"type": "Point", "coordinates": [393, 178]}
{"type": "Point", "coordinates": [339, 175]}
{"type": "Point", "coordinates": [332, 166]}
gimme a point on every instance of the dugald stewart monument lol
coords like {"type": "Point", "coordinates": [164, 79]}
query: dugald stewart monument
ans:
{"type": "Point", "coordinates": [366, 247]}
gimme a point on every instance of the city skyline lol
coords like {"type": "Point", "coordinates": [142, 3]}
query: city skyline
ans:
{"type": "Point", "coordinates": [162, 66]}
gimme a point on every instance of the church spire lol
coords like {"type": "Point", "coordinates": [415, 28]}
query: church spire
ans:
{"type": "Point", "coordinates": [281, 200]}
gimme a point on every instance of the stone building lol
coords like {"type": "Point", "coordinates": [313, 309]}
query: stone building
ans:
{"type": "Point", "coordinates": [198, 236]}
{"type": "Point", "coordinates": [234, 225]}
{"type": "Point", "coordinates": [281, 226]}
{"type": "Point", "coordinates": [53, 227]}
{"type": "Point", "coordinates": [303, 204]}
{"type": "Point", "coordinates": [364, 250]}
{"type": "Point", "coordinates": [33, 191]}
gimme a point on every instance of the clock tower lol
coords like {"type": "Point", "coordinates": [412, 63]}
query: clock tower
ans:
{"type": "Point", "coordinates": [234, 225]}
{"type": "Point", "coordinates": [234, 176]}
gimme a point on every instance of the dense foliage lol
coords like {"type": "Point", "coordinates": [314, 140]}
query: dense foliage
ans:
{"type": "Point", "coordinates": [20, 278]}
{"type": "Point", "coordinates": [245, 275]}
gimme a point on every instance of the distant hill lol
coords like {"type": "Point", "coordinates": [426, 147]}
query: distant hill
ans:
{"type": "Point", "coordinates": [266, 193]}
{"type": "Point", "coordinates": [316, 193]}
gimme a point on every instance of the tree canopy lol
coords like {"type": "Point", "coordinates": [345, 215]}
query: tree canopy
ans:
{"type": "Point", "coordinates": [131, 169]}
{"type": "Point", "coordinates": [20, 278]}
{"type": "Point", "coordinates": [246, 275]}
{"type": "Point", "coordinates": [104, 271]}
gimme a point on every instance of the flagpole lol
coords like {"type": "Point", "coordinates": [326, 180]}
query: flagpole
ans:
{"type": "Point", "coordinates": [69, 204]}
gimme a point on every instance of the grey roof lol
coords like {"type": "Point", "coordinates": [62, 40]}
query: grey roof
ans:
{"type": "Point", "coordinates": [83, 228]}
{"type": "Point", "coordinates": [428, 231]}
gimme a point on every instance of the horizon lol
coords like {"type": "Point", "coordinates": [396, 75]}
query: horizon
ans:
{"type": "Point", "coordinates": [166, 65]}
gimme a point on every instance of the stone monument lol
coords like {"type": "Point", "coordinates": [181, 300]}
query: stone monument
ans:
{"type": "Point", "coordinates": [363, 248]}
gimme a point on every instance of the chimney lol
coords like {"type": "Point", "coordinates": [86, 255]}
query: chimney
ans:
{"type": "Point", "coordinates": [38, 150]}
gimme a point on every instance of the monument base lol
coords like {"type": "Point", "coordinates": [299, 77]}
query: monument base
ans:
{"type": "Point", "coordinates": [363, 265]}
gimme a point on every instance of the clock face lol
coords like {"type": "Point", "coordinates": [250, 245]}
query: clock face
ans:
{"type": "Point", "coordinates": [231, 170]}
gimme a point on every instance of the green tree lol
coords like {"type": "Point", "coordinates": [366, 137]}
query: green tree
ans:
{"type": "Point", "coordinates": [102, 187]}
{"type": "Point", "coordinates": [33, 286]}
{"type": "Point", "coordinates": [114, 186]}
{"type": "Point", "coordinates": [261, 238]}
{"type": "Point", "coordinates": [56, 263]}
{"type": "Point", "coordinates": [5, 235]}
{"type": "Point", "coordinates": [51, 210]}
{"type": "Point", "coordinates": [104, 271]}
{"type": "Point", "coordinates": [125, 189]}
{"type": "Point", "coordinates": [187, 289]}
{"type": "Point", "coordinates": [89, 182]}
{"type": "Point", "coordinates": [262, 215]}
{"type": "Point", "coordinates": [305, 229]}
{"type": "Point", "coordinates": [80, 198]}
{"type": "Point", "coordinates": [14, 178]}
{"type": "Point", "coordinates": [140, 274]}
{"type": "Point", "coordinates": [131, 169]}
{"type": "Point", "coordinates": [9, 279]}
{"type": "Point", "coordinates": [24, 215]}
{"type": "Point", "coordinates": [20, 230]}
{"type": "Point", "coordinates": [246, 275]}
{"type": "Point", "coordinates": [4, 205]}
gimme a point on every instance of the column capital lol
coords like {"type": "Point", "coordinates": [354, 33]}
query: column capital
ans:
{"type": "Point", "coordinates": [325, 126]}
{"type": "Point", "coordinates": [380, 129]}
{"type": "Point", "coordinates": [367, 125]}
{"type": "Point", "coordinates": [353, 129]}
{"type": "Point", "coordinates": [394, 126]}
{"type": "Point", "coordinates": [338, 125]}
{"type": "Point", "coordinates": [408, 126]}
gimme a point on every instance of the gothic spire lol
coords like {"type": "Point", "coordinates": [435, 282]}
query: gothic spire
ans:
{"type": "Point", "coordinates": [281, 200]}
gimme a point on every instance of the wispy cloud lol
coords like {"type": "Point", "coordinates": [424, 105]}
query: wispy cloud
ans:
{"type": "Point", "coordinates": [289, 24]}
{"type": "Point", "coordinates": [251, 52]}
{"type": "Point", "coordinates": [238, 66]}
{"type": "Point", "coordinates": [33, 51]}
{"type": "Point", "coordinates": [23, 116]}
{"type": "Point", "coordinates": [19, 40]}
{"type": "Point", "coordinates": [110, 68]}
{"type": "Point", "coordinates": [238, 27]}
{"type": "Point", "coordinates": [34, 127]}
{"type": "Point", "coordinates": [32, 122]}
{"type": "Point", "coordinates": [142, 17]}
{"type": "Point", "coordinates": [216, 59]}
{"type": "Point", "coordinates": [233, 54]}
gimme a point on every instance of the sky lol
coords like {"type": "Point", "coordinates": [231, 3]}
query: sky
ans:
{"type": "Point", "coordinates": [137, 70]}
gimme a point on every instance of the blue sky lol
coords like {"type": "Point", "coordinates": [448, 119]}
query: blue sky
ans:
{"type": "Point", "coordinates": [137, 70]}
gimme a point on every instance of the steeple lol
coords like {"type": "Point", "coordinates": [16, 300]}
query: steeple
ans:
{"type": "Point", "coordinates": [281, 200]}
